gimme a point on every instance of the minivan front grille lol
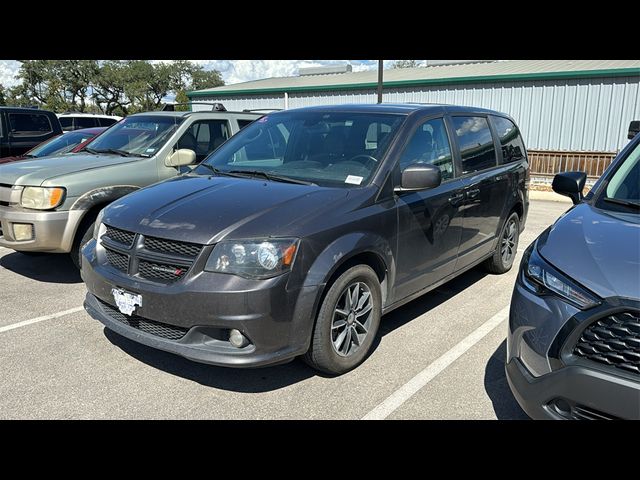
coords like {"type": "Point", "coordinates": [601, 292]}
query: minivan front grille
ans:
{"type": "Point", "coordinates": [120, 236]}
{"type": "Point", "coordinates": [157, 259]}
{"type": "Point", "coordinates": [159, 329]}
{"type": "Point", "coordinates": [613, 340]}
{"type": "Point", "coordinates": [171, 247]}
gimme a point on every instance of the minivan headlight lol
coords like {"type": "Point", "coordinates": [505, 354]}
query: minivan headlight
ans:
{"type": "Point", "coordinates": [262, 258]}
{"type": "Point", "coordinates": [541, 277]}
{"type": "Point", "coordinates": [42, 198]}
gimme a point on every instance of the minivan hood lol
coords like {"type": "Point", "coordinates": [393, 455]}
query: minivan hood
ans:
{"type": "Point", "coordinates": [203, 210]}
{"type": "Point", "coordinates": [35, 171]}
{"type": "Point", "coordinates": [599, 249]}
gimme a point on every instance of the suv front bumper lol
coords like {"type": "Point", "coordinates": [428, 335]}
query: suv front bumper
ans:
{"type": "Point", "coordinates": [52, 231]}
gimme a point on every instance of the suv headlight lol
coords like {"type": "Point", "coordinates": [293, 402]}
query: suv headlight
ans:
{"type": "Point", "coordinates": [542, 278]}
{"type": "Point", "coordinates": [42, 198]}
{"type": "Point", "coordinates": [261, 258]}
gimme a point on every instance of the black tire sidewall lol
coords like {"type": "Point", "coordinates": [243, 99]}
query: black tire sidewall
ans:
{"type": "Point", "coordinates": [330, 361]}
{"type": "Point", "coordinates": [514, 216]}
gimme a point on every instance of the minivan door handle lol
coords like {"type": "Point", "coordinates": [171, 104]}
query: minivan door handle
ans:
{"type": "Point", "coordinates": [456, 199]}
{"type": "Point", "coordinates": [473, 193]}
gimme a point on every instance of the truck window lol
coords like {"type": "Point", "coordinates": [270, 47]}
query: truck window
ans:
{"type": "Point", "coordinates": [29, 124]}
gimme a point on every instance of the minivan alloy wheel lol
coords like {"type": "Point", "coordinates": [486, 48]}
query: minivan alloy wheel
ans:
{"type": "Point", "coordinates": [509, 241]}
{"type": "Point", "coordinates": [351, 319]}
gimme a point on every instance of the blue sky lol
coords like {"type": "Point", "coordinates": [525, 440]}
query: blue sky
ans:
{"type": "Point", "coordinates": [233, 71]}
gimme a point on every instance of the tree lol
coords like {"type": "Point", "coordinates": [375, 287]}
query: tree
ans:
{"type": "Point", "coordinates": [3, 97]}
{"type": "Point", "coordinates": [109, 88]}
{"type": "Point", "coordinates": [405, 64]}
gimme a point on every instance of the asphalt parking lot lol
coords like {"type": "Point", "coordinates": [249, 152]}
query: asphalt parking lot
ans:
{"type": "Point", "coordinates": [439, 357]}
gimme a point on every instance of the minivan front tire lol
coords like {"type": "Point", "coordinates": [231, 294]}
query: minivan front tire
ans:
{"type": "Point", "coordinates": [347, 322]}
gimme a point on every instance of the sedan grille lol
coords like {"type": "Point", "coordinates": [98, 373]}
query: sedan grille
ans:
{"type": "Point", "coordinates": [613, 340]}
{"type": "Point", "coordinates": [170, 332]}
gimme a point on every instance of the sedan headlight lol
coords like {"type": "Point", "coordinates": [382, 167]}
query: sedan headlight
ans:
{"type": "Point", "coordinates": [42, 198]}
{"type": "Point", "coordinates": [540, 277]}
{"type": "Point", "coordinates": [253, 258]}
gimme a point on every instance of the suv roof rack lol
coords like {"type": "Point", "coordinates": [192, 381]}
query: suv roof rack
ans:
{"type": "Point", "coordinates": [215, 107]}
{"type": "Point", "coordinates": [249, 110]}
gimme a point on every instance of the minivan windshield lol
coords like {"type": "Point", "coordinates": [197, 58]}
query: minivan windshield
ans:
{"type": "Point", "coordinates": [339, 149]}
{"type": "Point", "coordinates": [138, 135]}
{"type": "Point", "coordinates": [623, 187]}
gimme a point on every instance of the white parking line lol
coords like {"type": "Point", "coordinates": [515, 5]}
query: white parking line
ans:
{"type": "Point", "coordinates": [404, 393]}
{"type": "Point", "coordinates": [40, 319]}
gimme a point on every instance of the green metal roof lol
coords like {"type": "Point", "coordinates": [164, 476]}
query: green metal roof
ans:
{"type": "Point", "coordinates": [508, 70]}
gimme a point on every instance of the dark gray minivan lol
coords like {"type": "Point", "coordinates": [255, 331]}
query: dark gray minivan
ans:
{"type": "Point", "coordinates": [302, 230]}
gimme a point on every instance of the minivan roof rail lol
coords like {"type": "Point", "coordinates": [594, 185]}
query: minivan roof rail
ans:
{"type": "Point", "coordinates": [248, 110]}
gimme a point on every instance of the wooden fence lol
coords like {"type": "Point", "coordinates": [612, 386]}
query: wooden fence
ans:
{"type": "Point", "coordinates": [548, 162]}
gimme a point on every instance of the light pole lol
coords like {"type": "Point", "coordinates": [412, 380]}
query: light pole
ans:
{"type": "Point", "coordinates": [380, 65]}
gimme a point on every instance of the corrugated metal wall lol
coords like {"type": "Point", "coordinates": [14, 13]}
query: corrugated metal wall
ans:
{"type": "Point", "coordinates": [575, 115]}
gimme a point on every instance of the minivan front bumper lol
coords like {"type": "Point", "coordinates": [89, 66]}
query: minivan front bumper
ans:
{"type": "Point", "coordinates": [275, 319]}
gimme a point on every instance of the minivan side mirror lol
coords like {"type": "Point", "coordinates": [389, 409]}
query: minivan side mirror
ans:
{"type": "Point", "coordinates": [418, 177]}
{"type": "Point", "coordinates": [181, 157]}
{"type": "Point", "coordinates": [570, 184]}
{"type": "Point", "coordinates": [634, 129]}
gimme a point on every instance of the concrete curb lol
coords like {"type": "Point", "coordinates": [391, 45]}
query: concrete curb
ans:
{"type": "Point", "coordinates": [548, 196]}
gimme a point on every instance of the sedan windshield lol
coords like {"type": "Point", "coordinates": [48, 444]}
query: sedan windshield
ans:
{"type": "Point", "coordinates": [622, 192]}
{"type": "Point", "coordinates": [138, 135]}
{"type": "Point", "coordinates": [60, 144]}
{"type": "Point", "coordinates": [340, 149]}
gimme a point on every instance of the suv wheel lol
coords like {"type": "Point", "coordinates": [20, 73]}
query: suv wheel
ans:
{"type": "Point", "coordinates": [83, 235]}
{"type": "Point", "coordinates": [347, 322]}
{"type": "Point", "coordinates": [505, 254]}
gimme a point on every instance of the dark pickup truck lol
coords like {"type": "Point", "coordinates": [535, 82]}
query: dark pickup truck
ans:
{"type": "Point", "coordinates": [21, 129]}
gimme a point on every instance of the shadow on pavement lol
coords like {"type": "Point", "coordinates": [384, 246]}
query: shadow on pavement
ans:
{"type": "Point", "coordinates": [275, 377]}
{"type": "Point", "coordinates": [43, 267]}
{"type": "Point", "coordinates": [495, 383]}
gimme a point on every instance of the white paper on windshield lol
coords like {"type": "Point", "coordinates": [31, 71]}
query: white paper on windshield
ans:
{"type": "Point", "coordinates": [353, 179]}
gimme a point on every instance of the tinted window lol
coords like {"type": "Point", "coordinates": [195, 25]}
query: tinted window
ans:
{"type": "Point", "coordinates": [204, 136]}
{"type": "Point", "coordinates": [66, 123]}
{"type": "Point", "coordinates": [327, 148]}
{"type": "Point", "coordinates": [430, 144]}
{"type": "Point", "coordinates": [244, 123]}
{"type": "Point", "coordinates": [29, 124]}
{"type": "Point", "coordinates": [510, 139]}
{"type": "Point", "coordinates": [107, 122]}
{"type": "Point", "coordinates": [85, 122]}
{"type": "Point", "coordinates": [475, 143]}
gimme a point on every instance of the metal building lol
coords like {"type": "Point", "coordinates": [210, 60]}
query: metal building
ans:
{"type": "Point", "coordinates": [578, 106]}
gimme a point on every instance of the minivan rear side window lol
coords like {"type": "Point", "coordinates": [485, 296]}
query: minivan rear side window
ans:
{"type": "Point", "coordinates": [86, 122]}
{"type": "Point", "coordinates": [510, 139]}
{"type": "Point", "coordinates": [29, 124]}
{"type": "Point", "coordinates": [66, 123]}
{"type": "Point", "coordinates": [106, 122]}
{"type": "Point", "coordinates": [475, 143]}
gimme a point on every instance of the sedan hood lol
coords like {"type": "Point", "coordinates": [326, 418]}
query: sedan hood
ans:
{"type": "Point", "coordinates": [35, 171]}
{"type": "Point", "coordinates": [208, 209]}
{"type": "Point", "coordinates": [597, 248]}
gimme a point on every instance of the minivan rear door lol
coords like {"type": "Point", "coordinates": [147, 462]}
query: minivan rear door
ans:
{"type": "Point", "coordinates": [486, 186]}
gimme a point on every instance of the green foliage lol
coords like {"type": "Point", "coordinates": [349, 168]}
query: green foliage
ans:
{"type": "Point", "coordinates": [114, 87]}
{"type": "Point", "coordinates": [405, 64]}
{"type": "Point", "coordinates": [3, 95]}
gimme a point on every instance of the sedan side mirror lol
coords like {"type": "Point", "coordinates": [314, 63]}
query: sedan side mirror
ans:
{"type": "Point", "coordinates": [181, 157]}
{"type": "Point", "coordinates": [634, 129]}
{"type": "Point", "coordinates": [570, 184]}
{"type": "Point", "coordinates": [418, 176]}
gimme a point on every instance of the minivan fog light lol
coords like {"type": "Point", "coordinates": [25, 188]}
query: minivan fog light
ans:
{"type": "Point", "coordinates": [237, 339]}
{"type": "Point", "coordinates": [23, 231]}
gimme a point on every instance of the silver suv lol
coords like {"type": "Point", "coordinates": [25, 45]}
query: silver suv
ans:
{"type": "Point", "coordinates": [50, 204]}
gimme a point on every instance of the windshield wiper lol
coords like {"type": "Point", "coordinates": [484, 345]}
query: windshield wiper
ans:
{"type": "Point", "coordinates": [91, 150]}
{"type": "Point", "coordinates": [122, 153]}
{"type": "Point", "coordinates": [626, 203]}
{"type": "Point", "coordinates": [272, 177]}
{"type": "Point", "coordinates": [217, 171]}
{"type": "Point", "coordinates": [26, 155]}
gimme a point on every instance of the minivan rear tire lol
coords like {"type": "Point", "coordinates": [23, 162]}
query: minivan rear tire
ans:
{"type": "Point", "coordinates": [322, 355]}
{"type": "Point", "coordinates": [496, 264]}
